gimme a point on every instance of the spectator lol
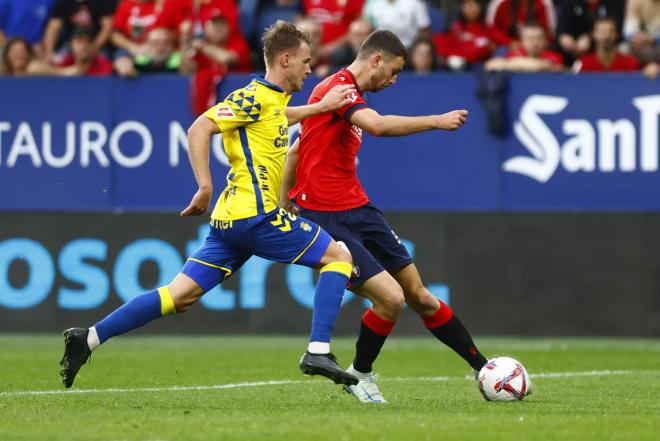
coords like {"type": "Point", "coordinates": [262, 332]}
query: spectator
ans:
{"type": "Point", "coordinates": [422, 57]}
{"type": "Point", "coordinates": [335, 16]}
{"type": "Point", "coordinates": [506, 17]}
{"type": "Point", "coordinates": [344, 55]}
{"type": "Point", "coordinates": [70, 14]}
{"type": "Point", "coordinates": [314, 30]}
{"type": "Point", "coordinates": [211, 57]}
{"type": "Point", "coordinates": [25, 19]}
{"type": "Point", "coordinates": [606, 55]}
{"type": "Point", "coordinates": [83, 57]}
{"type": "Point", "coordinates": [133, 20]}
{"type": "Point", "coordinates": [532, 56]}
{"type": "Point", "coordinates": [217, 45]}
{"type": "Point", "coordinates": [408, 19]}
{"type": "Point", "coordinates": [641, 29]}
{"type": "Point", "coordinates": [17, 55]}
{"type": "Point", "coordinates": [576, 22]}
{"type": "Point", "coordinates": [468, 40]}
{"type": "Point", "coordinates": [191, 13]}
{"type": "Point", "coordinates": [159, 56]}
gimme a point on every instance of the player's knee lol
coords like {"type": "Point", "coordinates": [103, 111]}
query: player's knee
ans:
{"type": "Point", "coordinates": [341, 254]}
{"type": "Point", "coordinates": [345, 256]}
{"type": "Point", "coordinates": [391, 302]}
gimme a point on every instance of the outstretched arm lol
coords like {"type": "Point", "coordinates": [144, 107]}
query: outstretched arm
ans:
{"type": "Point", "coordinates": [392, 125]}
{"type": "Point", "coordinates": [199, 146]}
{"type": "Point", "coordinates": [289, 179]}
{"type": "Point", "coordinates": [336, 98]}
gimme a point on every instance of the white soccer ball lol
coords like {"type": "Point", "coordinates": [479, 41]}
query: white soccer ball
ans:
{"type": "Point", "coordinates": [503, 379]}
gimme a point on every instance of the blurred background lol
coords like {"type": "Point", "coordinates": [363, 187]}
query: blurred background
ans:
{"type": "Point", "coordinates": [540, 217]}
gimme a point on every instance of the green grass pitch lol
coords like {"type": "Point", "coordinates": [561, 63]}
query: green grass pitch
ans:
{"type": "Point", "coordinates": [249, 388]}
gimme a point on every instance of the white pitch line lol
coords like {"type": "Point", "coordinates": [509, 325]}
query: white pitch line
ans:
{"type": "Point", "coordinates": [541, 375]}
{"type": "Point", "coordinates": [150, 389]}
{"type": "Point", "coordinates": [579, 374]}
{"type": "Point", "coordinates": [283, 382]}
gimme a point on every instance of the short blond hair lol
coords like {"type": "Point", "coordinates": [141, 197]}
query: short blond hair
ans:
{"type": "Point", "coordinates": [281, 37]}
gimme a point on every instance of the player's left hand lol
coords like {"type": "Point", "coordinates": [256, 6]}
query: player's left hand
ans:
{"type": "Point", "coordinates": [199, 203]}
{"type": "Point", "coordinates": [289, 206]}
{"type": "Point", "coordinates": [338, 97]}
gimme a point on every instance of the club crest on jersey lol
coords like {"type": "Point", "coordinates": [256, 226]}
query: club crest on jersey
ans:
{"type": "Point", "coordinates": [306, 227]}
{"type": "Point", "coordinates": [224, 112]}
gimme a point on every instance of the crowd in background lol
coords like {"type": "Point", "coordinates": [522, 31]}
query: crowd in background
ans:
{"type": "Point", "coordinates": [209, 38]}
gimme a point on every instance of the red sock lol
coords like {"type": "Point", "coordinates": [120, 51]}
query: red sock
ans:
{"type": "Point", "coordinates": [447, 328]}
{"type": "Point", "coordinates": [439, 318]}
{"type": "Point", "coordinates": [373, 332]}
{"type": "Point", "coordinates": [377, 324]}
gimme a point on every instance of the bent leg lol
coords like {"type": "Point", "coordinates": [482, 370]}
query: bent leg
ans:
{"type": "Point", "coordinates": [377, 322]}
{"type": "Point", "coordinates": [140, 310]}
{"type": "Point", "coordinates": [438, 317]}
{"type": "Point", "coordinates": [214, 261]}
{"type": "Point", "coordinates": [80, 342]}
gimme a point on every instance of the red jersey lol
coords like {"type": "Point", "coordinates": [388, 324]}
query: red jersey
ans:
{"type": "Point", "coordinates": [326, 175]}
{"type": "Point", "coordinates": [335, 16]}
{"type": "Point", "coordinates": [552, 56]}
{"type": "Point", "coordinates": [499, 18]}
{"type": "Point", "coordinates": [591, 63]}
{"type": "Point", "coordinates": [135, 19]}
{"type": "Point", "coordinates": [177, 11]}
{"type": "Point", "coordinates": [101, 66]}
{"type": "Point", "coordinates": [471, 41]}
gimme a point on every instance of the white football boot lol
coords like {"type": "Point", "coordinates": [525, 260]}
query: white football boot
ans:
{"type": "Point", "coordinates": [366, 390]}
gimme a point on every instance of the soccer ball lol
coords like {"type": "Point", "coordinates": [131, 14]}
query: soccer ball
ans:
{"type": "Point", "coordinates": [503, 379]}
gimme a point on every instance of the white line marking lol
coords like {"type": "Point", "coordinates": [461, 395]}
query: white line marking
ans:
{"type": "Point", "coordinates": [285, 382]}
{"type": "Point", "coordinates": [579, 374]}
{"type": "Point", "coordinates": [151, 389]}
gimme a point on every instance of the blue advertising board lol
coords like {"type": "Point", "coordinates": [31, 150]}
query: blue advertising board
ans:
{"type": "Point", "coordinates": [587, 142]}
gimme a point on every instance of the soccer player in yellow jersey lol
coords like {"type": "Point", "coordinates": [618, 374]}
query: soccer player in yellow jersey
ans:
{"type": "Point", "coordinates": [246, 220]}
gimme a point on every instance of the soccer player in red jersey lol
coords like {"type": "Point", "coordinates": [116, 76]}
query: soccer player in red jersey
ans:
{"type": "Point", "coordinates": [321, 176]}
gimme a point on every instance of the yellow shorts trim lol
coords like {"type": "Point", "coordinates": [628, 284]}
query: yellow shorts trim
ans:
{"type": "Point", "coordinates": [318, 231]}
{"type": "Point", "coordinates": [166, 301]}
{"type": "Point", "coordinates": [226, 270]}
{"type": "Point", "coordinates": [344, 268]}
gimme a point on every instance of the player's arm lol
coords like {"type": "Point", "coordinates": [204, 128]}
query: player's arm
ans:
{"type": "Point", "coordinates": [199, 147]}
{"type": "Point", "coordinates": [393, 125]}
{"type": "Point", "coordinates": [289, 179]}
{"type": "Point", "coordinates": [336, 98]}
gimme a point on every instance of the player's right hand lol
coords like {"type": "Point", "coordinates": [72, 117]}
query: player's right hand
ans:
{"type": "Point", "coordinates": [199, 203]}
{"type": "Point", "coordinates": [338, 97]}
{"type": "Point", "coordinates": [452, 120]}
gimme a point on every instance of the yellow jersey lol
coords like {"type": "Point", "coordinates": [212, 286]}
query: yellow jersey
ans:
{"type": "Point", "coordinates": [255, 138]}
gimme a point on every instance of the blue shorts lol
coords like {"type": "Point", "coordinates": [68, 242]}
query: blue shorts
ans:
{"type": "Point", "coordinates": [277, 236]}
{"type": "Point", "coordinates": [370, 239]}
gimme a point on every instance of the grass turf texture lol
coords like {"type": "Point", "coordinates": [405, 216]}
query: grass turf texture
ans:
{"type": "Point", "coordinates": [590, 407]}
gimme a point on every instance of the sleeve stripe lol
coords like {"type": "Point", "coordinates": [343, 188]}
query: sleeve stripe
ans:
{"type": "Point", "coordinates": [352, 110]}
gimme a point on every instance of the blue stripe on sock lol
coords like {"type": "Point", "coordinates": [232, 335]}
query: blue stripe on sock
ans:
{"type": "Point", "coordinates": [136, 312]}
{"type": "Point", "coordinates": [327, 302]}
